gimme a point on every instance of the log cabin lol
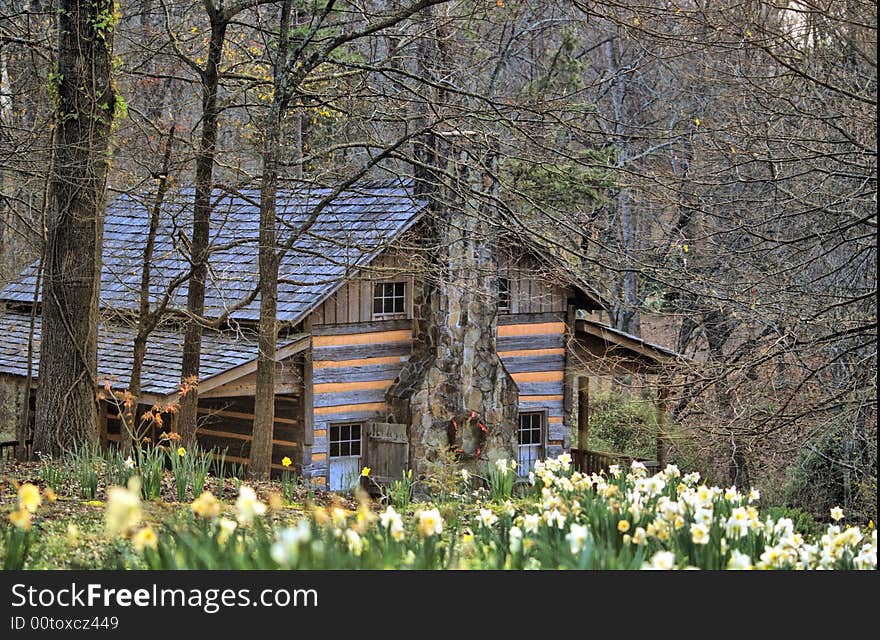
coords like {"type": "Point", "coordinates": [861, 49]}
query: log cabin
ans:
{"type": "Point", "coordinates": [404, 335]}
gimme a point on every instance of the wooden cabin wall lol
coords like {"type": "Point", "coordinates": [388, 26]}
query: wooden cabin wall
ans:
{"type": "Point", "coordinates": [532, 337]}
{"type": "Point", "coordinates": [353, 302]}
{"type": "Point", "coordinates": [532, 348]}
{"type": "Point", "coordinates": [530, 291]}
{"type": "Point", "coordinates": [352, 367]}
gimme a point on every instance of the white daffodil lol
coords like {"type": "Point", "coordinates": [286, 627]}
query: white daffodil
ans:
{"type": "Point", "coordinates": [662, 560]}
{"type": "Point", "coordinates": [430, 523]}
{"type": "Point", "coordinates": [123, 508]}
{"type": "Point", "coordinates": [515, 536]}
{"type": "Point", "coordinates": [248, 506]}
{"type": "Point", "coordinates": [739, 561]}
{"type": "Point", "coordinates": [487, 517]}
{"type": "Point", "coordinates": [699, 534]}
{"type": "Point", "coordinates": [577, 538]}
{"type": "Point", "coordinates": [531, 521]}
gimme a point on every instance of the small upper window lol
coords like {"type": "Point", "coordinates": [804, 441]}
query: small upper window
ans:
{"type": "Point", "coordinates": [504, 294]}
{"type": "Point", "coordinates": [389, 298]}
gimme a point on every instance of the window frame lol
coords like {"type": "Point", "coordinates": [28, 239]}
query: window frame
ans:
{"type": "Point", "coordinates": [505, 299]}
{"type": "Point", "coordinates": [541, 415]}
{"type": "Point", "coordinates": [348, 441]}
{"type": "Point", "coordinates": [394, 298]}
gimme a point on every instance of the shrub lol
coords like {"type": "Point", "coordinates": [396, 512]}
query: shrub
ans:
{"type": "Point", "coordinates": [622, 423]}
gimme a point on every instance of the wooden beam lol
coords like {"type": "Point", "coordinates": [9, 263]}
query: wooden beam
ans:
{"type": "Point", "coordinates": [102, 424]}
{"type": "Point", "coordinates": [554, 398]}
{"type": "Point", "coordinates": [360, 362]}
{"type": "Point", "coordinates": [244, 416]}
{"type": "Point", "coordinates": [372, 337]}
{"type": "Point", "coordinates": [570, 381]}
{"type": "Point", "coordinates": [539, 376]}
{"type": "Point", "coordinates": [531, 353]}
{"type": "Point", "coordinates": [341, 387]}
{"type": "Point", "coordinates": [538, 328]}
{"type": "Point", "coordinates": [241, 436]}
{"type": "Point", "coordinates": [352, 408]}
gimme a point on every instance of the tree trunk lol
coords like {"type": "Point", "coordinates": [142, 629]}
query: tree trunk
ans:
{"type": "Point", "coordinates": [264, 403]}
{"type": "Point", "coordinates": [199, 242]}
{"type": "Point", "coordinates": [66, 409]}
{"type": "Point", "coordinates": [626, 314]}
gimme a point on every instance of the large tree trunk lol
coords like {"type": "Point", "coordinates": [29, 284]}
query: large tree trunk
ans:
{"type": "Point", "coordinates": [199, 242]}
{"type": "Point", "coordinates": [66, 409]}
{"type": "Point", "coordinates": [264, 403]}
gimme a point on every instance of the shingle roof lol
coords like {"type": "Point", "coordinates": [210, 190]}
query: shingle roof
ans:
{"type": "Point", "coordinates": [357, 225]}
{"type": "Point", "coordinates": [161, 372]}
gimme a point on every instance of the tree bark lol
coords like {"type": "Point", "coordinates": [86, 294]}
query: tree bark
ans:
{"type": "Point", "coordinates": [199, 242]}
{"type": "Point", "coordinates": [66, 411]}
{"type": "Point", "coordinates": [626, 312]}
{"type": "Point", "coordinates": [260, 464]}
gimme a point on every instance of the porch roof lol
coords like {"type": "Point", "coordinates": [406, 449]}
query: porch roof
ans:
{"type": "Point", "coordinates": [619, 349]}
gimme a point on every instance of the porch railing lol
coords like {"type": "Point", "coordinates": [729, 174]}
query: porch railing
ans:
{"type": "Point", "coordinates": [589, 461]}
{"type": "Point", "coordinates": [7, 449]}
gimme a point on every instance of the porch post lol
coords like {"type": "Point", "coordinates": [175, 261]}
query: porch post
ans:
{"type": "Point", "coordinates": [583, 411]}
{"type": "Point", "coordinates": [570, 377]}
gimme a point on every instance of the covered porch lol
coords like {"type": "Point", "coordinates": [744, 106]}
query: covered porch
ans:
{"type": "Point", "coordinates": [596, 349]}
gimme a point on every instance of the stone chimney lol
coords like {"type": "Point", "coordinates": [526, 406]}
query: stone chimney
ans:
{"type": "Point", "coordinates": [455, 394]}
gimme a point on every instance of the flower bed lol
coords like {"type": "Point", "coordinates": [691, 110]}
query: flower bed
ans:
{"type": "Point", "coordinates": [623, 520]}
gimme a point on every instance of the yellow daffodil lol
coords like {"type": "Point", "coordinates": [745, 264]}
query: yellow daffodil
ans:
{"type": "Point", "coordinates": [206, 505]}
{"type": "Point", "coordinates": [29, 497]}
{"type": "Point", "coordinates": [623, 526]}
{"type": "Point", "coordinates": [123, 508]}
{"type": "Point", "coordinates": [276, 502]}
{"type": "Point", "coordinates": [286, 462]}
{"type": "Point", "coordinates": [144, 538]}
{"type": "Point", "coordinates": [21, 519]}
{"type": "Point", "coordinates": [181, 451]}
{"type": "Point", "coordinates": [365, 472]}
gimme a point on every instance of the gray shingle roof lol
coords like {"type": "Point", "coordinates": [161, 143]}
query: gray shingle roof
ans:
{"type": "Point", "coordinates": [161, 372]}
{"type": "Point", "coordinates": [356, 226]}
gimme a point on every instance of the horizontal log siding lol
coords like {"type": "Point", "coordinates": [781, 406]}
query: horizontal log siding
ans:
{"type": "Point", "coordinates": [228, 423]}
{"type": "Point", "coordinates": [532, 347]}
{"type": "Point", "coordinates": [353, 366]}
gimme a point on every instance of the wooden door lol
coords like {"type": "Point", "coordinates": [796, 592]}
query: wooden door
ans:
{"type": "Point", "coordinates": [386, 451]}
